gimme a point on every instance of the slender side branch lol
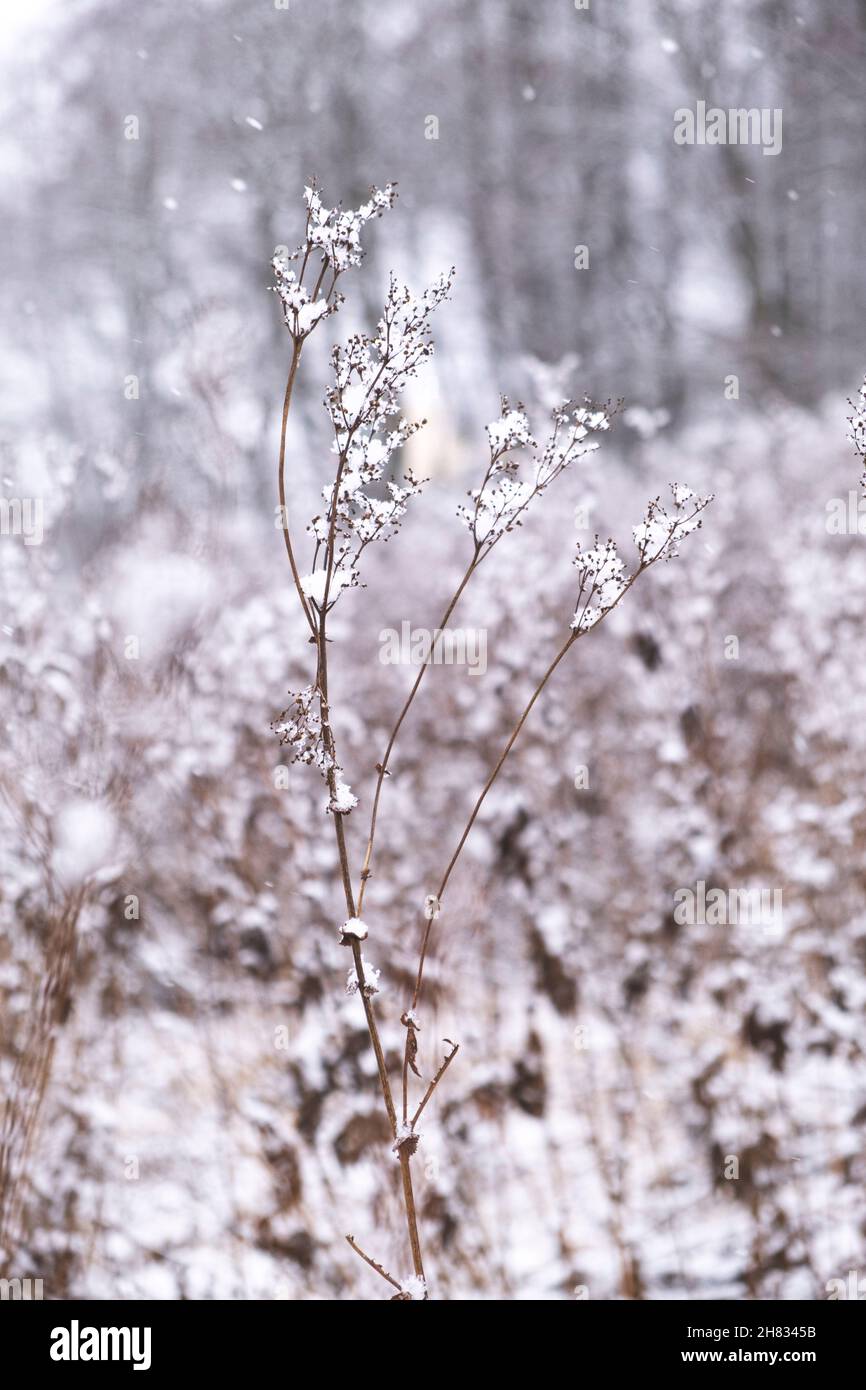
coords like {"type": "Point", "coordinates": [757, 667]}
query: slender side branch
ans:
{"type": "Point", "coordinates": [480, 801]}
{"type": "Point", "coordinates": [374, 1264]}
{"type": "Point", "coordinates": [455, 1048]}
{"type": "Point", "coordinates": [382, 766]}
{"type": "Point", "coordinates": [601, 571]}
{"type": "Point", "coordinates": [499, 506]}
{"type": "Point", "coordinates": [281, 483]}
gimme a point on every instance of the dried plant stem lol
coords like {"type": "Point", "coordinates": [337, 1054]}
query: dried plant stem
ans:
{"type": "Point", "coordinates": [281, 484]}
{"type": "Point", "coordinates": [340, 835]}
{"type": "Point", "coordinates": [455, 1048]}
{"type": "Point", "coordinates": [480, 801]}
{"type": "Point", "coordinates": [411, 1211]}
{"type": "Point", "coordinates": [575, 634]}
{"type": "Point", "coordinates": [374, 1264]}
{"type": "Point", "coordinates": [319, 632]}
{"type": "Point", "coordinates": [404, 1151]}
{"type": "Point", "coordinates": [382, 766]}
{"type": "Point", "coordinates": [586, 594]}
{"type": "Point", "coordinates": [369, 1013]}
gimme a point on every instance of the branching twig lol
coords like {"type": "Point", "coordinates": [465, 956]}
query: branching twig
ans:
{"type": "Point", "coordinates": [374, 1264]}
{"type": "Point", "coordinates": [455, 1048]}
{"type": "Point", "coordinates": [382, 766]}
{"type": "Point", "coordinates": [281, 485]}
{"type": "Point", "coordinates": [498, 507]}
{"type": "Point", "coordinates": [586, 593]}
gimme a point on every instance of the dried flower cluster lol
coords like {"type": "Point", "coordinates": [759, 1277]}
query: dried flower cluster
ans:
{"type": "Point", "coordinates": [300, 726]}
{"type": "Point", "coordinates": [603, 580]}
{"type": "Point", "coordinates": [501, 501]}
{"type": "Point", "coordinates": [333, 242]}
{"type": "Point", "coordinates": [370, 374]}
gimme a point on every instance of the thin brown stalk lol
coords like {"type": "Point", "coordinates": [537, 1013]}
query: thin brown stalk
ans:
{"type": "Point", "coordinates": [405, 1084]}
{"type": "Point", "coordinates": [281, 483]}
{"type": "Point", "coordinates": [411, 1212]}
{"type": "Point", "coordinates": [374, 1264]}
{"type": "Point", "coordinates": [369, 1012]}
{"type": "Point", "coordinates": [480, 801]}
{"type": "Point", "coordinates": [455, 1048]}
{"type": "Point", "coordinates": [345, 874]}
{"type": "Point", "coordinates": [382, 766]}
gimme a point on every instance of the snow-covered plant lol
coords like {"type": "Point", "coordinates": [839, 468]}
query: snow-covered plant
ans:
{"type": "Point", "coordinates": [370, 372]}
{"type": "Point", "coordinates": [501, 501]}
{"type": "Point", "coordinates": [602, 578]}
{"type": "Point", "coordinates": [331, 245]}
{"type": "Point", "coordinates": [300, 726]}
{"type": "Point", "coordinates": [363, 503]}
{"type": "Point", "coordinates": [370, 976]}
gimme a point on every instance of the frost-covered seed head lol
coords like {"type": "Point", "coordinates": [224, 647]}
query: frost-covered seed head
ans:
{"type": "Point", "coordinates": [331, 245]}
{"type": "Point", "coordinates": [500, 503]}
{"type": "Point", "coordinates": [363, 504]}
{"type": "Point", "coordinates": [603, 580]}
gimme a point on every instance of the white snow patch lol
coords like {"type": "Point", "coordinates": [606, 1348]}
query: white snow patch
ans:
{"type": "Point", "coordinates": [354, 927]}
